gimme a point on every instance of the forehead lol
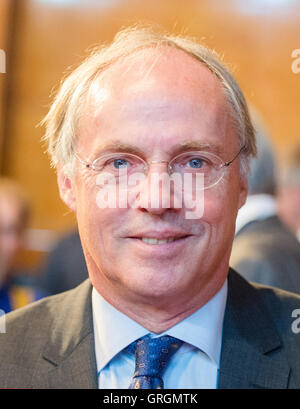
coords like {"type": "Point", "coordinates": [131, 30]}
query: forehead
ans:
{"type": "Point", "coordinates": [163, 89]}
{"type": "Point", "coordinates": [155, 69]}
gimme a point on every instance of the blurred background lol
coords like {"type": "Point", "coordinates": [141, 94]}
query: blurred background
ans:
{"type": "Point", "coordinates": [42, 38]}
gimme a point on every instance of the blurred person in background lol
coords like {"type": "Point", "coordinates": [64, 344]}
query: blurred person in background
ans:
{"type": "Point", "coordinates": [65, 266]}
{"type": "Point", "coordinates": [264, 249]}
{"type": "Point", "coordinates": [14, 215]}
{"type": "Point", "coordinates": [289, 193]}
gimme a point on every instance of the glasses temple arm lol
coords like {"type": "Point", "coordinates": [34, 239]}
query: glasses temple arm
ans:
{"type": "Point", "coordinates": [230, 162]}
{"type": "Point", "coordinates": [82, 162]}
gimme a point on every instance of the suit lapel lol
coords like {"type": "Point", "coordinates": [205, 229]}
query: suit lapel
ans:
{"type": "Point", "coordinates": [252, 353]}
{"type": "Point", "coordinates": [70, 349]}
{"type": "Point", "coordinates": [78, 370]}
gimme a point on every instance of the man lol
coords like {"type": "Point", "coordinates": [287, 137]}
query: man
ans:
{"type": "Point", "coordinates": [14, 213]}
{"type": "Point", "coordinates": [150, 105]}
{"type": "Point", "coordinates": [264, 250]}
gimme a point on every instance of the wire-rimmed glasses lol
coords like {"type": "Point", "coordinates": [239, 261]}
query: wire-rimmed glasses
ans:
{"type": "Point", "coordinates": [119, 167]}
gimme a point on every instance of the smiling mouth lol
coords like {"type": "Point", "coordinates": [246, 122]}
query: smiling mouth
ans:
{"type": "Point", "coordinates": [154, 241]}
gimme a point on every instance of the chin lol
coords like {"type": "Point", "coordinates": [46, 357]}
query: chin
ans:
{"type": "Point", "coordinates": [155, 285]}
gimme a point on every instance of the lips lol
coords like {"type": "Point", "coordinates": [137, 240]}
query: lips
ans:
{"type": "Point", "coordinates": [159, 237]}
{"type": "Point", "coordinates": [150, 240]}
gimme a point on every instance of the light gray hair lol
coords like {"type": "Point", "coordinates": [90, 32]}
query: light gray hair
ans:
{"type": "Point", "coordinates": [62, 119]}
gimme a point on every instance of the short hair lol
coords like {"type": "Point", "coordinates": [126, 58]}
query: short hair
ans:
{"type": "Point", "coordinates": [61, 120]}
{"type": "Point", "coordinates": [11, 190]}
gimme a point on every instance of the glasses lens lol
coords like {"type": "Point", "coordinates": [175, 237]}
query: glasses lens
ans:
{"type": "Point", "coordinates": [119, 168]}
{"type": "Point", "coordinates": [206, 164]}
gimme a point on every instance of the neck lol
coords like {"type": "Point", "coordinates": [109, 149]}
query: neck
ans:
{"type": "Point", "coordinates": [162, 313]}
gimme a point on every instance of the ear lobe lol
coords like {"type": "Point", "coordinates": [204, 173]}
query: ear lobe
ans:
{"type": "Point", "coordinates": [243, 191]}
{"type": "Point", "coordinates": [66, 189]}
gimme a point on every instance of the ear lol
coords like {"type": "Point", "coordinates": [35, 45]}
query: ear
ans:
{"type": "Point", "coordinates": [243, 190]}
{"type": "Point", "coordinates": [66, 189]}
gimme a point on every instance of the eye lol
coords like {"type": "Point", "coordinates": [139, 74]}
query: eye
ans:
{"type": "Point", "coordinates": [196, 163]}
{"type": "Point", "coordinates": [117, 163]}
{"type": "Point", "coordinates": [120, 163]}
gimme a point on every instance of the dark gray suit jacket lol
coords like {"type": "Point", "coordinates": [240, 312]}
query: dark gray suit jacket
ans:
{"type": "Point", "coordinates": [266, 252]}
{"type": "Point", "coordinates": [50, 344]}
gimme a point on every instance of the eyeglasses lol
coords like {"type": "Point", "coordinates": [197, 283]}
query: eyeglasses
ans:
{"type": "Point", "coordinates": [120, 166]}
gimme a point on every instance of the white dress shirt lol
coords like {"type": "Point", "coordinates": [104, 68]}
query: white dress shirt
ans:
{"type": "Point", "coordinates": [194, 365]}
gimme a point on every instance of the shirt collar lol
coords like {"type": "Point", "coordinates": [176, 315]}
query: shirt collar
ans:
{"type": "Point", "coordinates": [202, 329]}
{"type": "Point", "coordinates": [257, 207]}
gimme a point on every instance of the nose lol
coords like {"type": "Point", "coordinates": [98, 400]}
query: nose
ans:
{"type": "Point", "coordinates": [157, 190]}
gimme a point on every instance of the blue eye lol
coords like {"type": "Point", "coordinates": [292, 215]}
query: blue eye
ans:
{"type": "Point", "coordinates": [196, 163]}
{"type": "Point", "coordinates": [120, 163]}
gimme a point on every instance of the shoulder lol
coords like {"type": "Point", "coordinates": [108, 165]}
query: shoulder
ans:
{"type": "Point", "coordinates": [268, 294]}
{"type": "Point", "coordinates": [283, 309]}
{"type": "Point", "coordinates": [283, 306]}
{"type": "Point", "coordinates": [29, 327]}
{"type": "Point", "coordinates": [259, 339]}
{"type": "Point", "coordinates": [279, 307]}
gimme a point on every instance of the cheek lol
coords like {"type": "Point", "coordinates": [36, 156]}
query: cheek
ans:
{"type": "Point", "coordinates": [99, 227]}
{"type": "Point", "coordinates": [87, 209]}
{"type": "Point", "coordinates": [97, 209]}
{"type": "Point", "coordinates": [220, 207]}
{"type": "Point", "coordinates": [214, 207]}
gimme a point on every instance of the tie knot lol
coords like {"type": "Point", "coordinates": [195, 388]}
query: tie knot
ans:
{"type": "Point", "coordinates": [153, 354]}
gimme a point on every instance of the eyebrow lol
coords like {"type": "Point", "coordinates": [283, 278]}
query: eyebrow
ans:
{"type": "Point", "coordinates": [187, 145]}
{"type": "Point", "coordinates": [118, 146]}
{"type": "Point", "coordinates": [199, 146]}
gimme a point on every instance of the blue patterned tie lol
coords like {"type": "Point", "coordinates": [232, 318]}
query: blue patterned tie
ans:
{"type": "Point", "coordinates": [152, 356]}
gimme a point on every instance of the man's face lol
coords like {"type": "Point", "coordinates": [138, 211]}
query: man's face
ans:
{"type": "Point", "coordinates": [155, 102]}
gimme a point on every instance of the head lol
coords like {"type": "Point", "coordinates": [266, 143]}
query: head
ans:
{"type": "Point", "coordinates": [154, 95]}
{"type": "Point", "coordinates": [14, 213]}
{"type": "Point", "coordinates": [262, 175]}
